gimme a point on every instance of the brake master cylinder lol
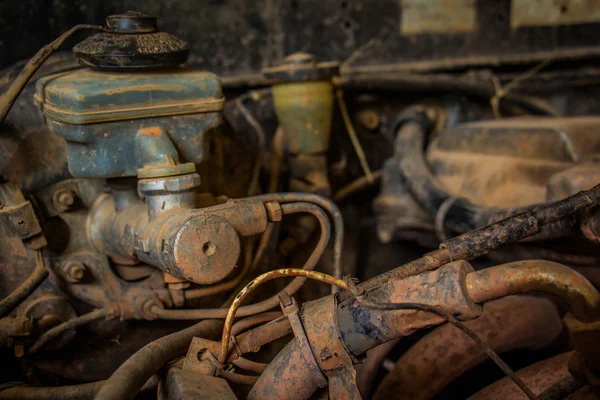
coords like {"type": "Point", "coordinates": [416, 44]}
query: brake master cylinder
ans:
{"type": "Point", "coordinates": [134, 110]}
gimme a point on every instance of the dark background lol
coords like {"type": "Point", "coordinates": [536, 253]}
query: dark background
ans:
{"type": "Point", "coordinates": [240, 36]}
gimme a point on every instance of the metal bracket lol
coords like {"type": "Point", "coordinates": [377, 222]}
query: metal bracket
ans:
{"type": "Point", "coordinates": [290, 310]}
{"type": "Point", "coordinates": [18, 215]}
{"type": "Point", "coordinates": [317, 334]}
{"type": "Point", "coordinates": [320, 320]}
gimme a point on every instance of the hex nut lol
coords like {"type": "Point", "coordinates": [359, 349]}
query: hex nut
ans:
{"type": "Point", "coordinates": [64, 199]}
{"type": "Point", "coordinates": [74, 271]}
{"type": "Point", "coordinates": [369, 119]}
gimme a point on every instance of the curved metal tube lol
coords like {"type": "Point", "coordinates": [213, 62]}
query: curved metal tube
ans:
{"type": "Point", "coordinates": [514, 322]}
{"type": "Point", "coordinates": [538, 377]}
{"type": "Point", "coordinates": [536, 276]}
{"type": "Point", "coordinates": [36, 278]}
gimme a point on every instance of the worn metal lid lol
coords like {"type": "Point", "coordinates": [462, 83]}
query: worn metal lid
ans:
{"type": "Point", "coordinates": [131, 41]}
{"type": "Point", "coordinates": [301, 67]}
{"type": "Point", "coordinates": [87, 96]}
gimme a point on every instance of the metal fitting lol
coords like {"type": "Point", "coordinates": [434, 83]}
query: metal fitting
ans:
{"type": "Point", "coordinates": [274, 212]}
{"type": "Point", "coordinates": [74, 271]}
{"type": "Point", "coordinates": [63, 199]}
{"type": "Point", "coordinates": [369, 119]}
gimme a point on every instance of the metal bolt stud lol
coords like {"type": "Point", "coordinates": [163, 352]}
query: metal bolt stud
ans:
{"type": "Point", "coordinates": [74, 271]}
{"type": "Point", "coordinates": [64, 199]}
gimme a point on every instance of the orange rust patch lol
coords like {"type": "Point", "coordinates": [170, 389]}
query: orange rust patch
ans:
{"type": "Point", "coordinates": [151, 131]}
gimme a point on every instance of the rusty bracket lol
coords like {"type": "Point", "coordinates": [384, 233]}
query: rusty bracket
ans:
{"type": "Point", "coordinates": [336, 362]}
{"type": "Point", "coordinates": [200, 356]}
{"type": "Point", "coordinates": [18, 214]}
{"type": "Point", "coordinates": [290, 310]}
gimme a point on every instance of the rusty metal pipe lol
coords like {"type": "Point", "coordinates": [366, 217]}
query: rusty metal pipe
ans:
{"type": "Point", "coordinates": [361, 329]}
{"type": "Point", "coordinates": [327, 205]}
{"type": "Point", "coordinates": [241, 325]}
{"type": "Point", "coordinates": [125, 382]}
{"type": "Point", "coordinates": [514, 322]}
{"type": "Point", "coordinates": [538, 377]}
{"type": "Point", "coordinates": [536, 276]}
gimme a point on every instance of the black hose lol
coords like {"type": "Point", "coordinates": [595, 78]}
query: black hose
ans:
{"type": "Point", "coordinates": [459, 214]}
{"type": "Point", "coordinates": [127, 380]}
{"type": "Point", "coordinates": [38, 275]}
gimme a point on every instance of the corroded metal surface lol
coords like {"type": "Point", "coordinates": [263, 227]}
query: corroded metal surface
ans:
{"type": "Point", "coordinates": [532, 276]}
{"type": "Point", "coordinates": [515, 322]}
{"type": "Point", "coordinates": [538, 377]}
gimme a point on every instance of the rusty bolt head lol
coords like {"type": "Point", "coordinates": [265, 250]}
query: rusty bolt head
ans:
{"type": "Point", "coordinates": [369, 119]}
{"type": "Point", "coordinates": [64, 199]}
{"type": "Point", "coordinates": [274, 212]}
{"type": "Point", "coordinates": [74, 271]}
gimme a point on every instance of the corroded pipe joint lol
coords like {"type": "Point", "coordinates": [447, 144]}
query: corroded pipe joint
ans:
{"type": "Point", "coordinates": [166, 193]}
{"type": "Point", "coordinates": [445, 287]}
{"type": "Point", "coordinates": [536, 276]}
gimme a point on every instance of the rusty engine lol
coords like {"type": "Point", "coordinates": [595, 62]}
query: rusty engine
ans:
{"type": "Point", "coordinates": [315, 229]}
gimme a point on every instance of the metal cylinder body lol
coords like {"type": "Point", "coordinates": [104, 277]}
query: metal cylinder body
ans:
{"type": "Point", "coordinates": [198, 245]}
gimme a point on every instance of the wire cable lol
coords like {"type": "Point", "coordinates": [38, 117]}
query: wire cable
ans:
{"type": "Point", "coordinates": [10, 96]}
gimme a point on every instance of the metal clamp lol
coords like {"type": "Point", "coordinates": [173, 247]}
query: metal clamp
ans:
{"type": "Point", "coordinates": [336, 362]}
{"type": "Point", "coordinates": [290, 310]}
{"type": "Point", "coordinates": [322, 346]}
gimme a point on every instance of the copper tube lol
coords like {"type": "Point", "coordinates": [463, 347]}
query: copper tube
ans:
{"type": "Point", "coordinates": [514, 322]}
{"type": "Point", "coordinates": [273, 301]}
{"type": "Point", "coordinates": [538, 377]}
{"type": "Point", "coordinates": [536, 276]}
{"type": "Point", "coordinates": [278, 273]}
{"type": "Point", "coordinates": [246, 323]}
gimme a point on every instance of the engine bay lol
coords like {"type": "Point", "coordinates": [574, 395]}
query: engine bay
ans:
{"type": "Point", "coordinates": [311, 230]}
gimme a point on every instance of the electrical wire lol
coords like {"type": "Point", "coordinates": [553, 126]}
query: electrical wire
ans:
{"type": "Point", "coordinates": [39, 274]}
{"type": "Point", "coordinates": [250, 287]}
{"type": "Point", "coordinates": [17, 86]}
{"type": "Point", "coordinates": [357, 185]}
{"type": "Point", "coordinates": [466, 330]}
{"type": "Point", "coordinates": [65, 326]}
